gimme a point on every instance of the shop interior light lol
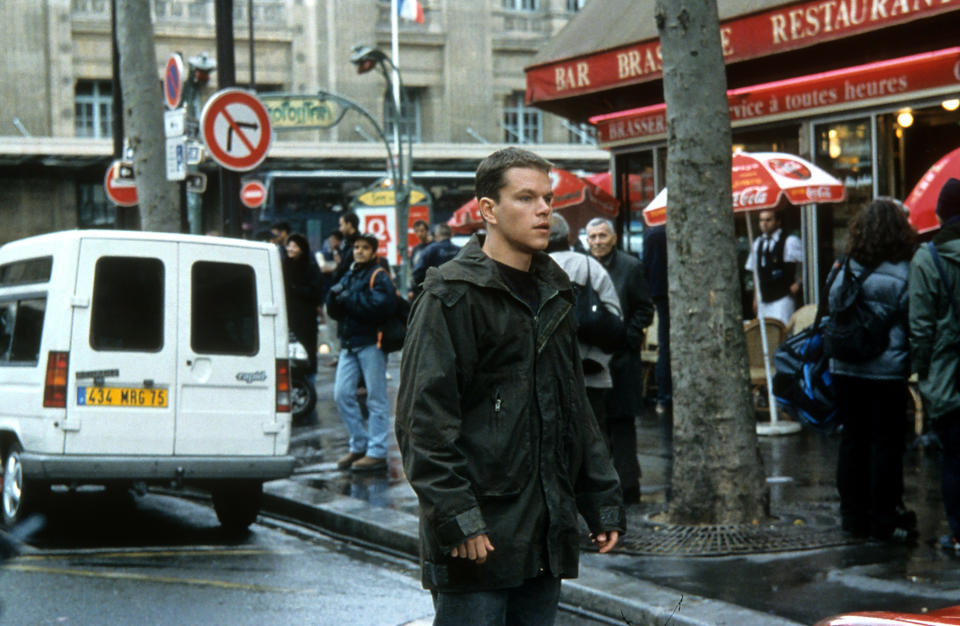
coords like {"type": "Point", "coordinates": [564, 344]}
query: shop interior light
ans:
{"type": "Point", "coordinates": [834, 143]}
{"type": "Point", "coordinates": [951, 105]}
{"type": "Point", "coordinates": [905, 118]}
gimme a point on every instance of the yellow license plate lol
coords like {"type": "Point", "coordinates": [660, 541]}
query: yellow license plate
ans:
{"type": "Point", "coordinates": [121, 396]}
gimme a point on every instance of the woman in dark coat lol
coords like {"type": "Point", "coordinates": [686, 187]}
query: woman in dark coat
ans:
{"type": "Point", "coordinates": [871, 394]}
{"type": "Point", "coordinates": [304, 287]}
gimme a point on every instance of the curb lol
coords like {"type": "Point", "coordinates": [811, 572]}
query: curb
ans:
{"type": "Point", "coordinates": [613, 595]}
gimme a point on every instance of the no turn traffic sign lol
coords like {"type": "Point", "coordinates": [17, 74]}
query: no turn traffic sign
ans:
{"type": "Point", "coordinates": [121, 191]}
{"type": "Point", "coordinates": [253, 194]}
{"type": "Point", "coordinates": [236, 129]}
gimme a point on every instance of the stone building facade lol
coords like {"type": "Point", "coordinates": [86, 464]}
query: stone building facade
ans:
{"type": "Point", "coordinates": [462, 70]}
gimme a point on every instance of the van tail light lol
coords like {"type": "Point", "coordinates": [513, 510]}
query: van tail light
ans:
{"type": "Point", "coordinates": [283, 386]}
{"type": "Point", "coordinates": [55, 386]}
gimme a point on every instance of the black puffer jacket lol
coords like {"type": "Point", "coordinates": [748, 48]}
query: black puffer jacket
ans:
{"type": "Point", "coordinates": [358, 308]}
{"type": "Point", "coordinates": [495, 430]}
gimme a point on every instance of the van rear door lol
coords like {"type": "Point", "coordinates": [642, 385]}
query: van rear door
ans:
{"type": "Point", "coordinates": [227, 352]}
{"type": "Point", "coordinates": [123, 345]}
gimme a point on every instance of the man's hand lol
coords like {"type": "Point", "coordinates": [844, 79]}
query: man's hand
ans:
{"type": "Point", "coordinates": [475, 549]}
{"type": "Point", "coordinates": [606, 541]}
{"type": "Point", "coordinates": [794, 289]}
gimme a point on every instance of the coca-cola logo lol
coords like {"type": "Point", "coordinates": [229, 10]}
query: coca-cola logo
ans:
{"type": "Point", "coordinates": [819, 193]}
{"type": "Point", "coordinates": [790, 168]}
{"type": "Point", "coordinates": [752, 196]}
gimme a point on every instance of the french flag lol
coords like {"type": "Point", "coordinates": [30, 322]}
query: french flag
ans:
{"type": "Point", "coordinates": [410, 10]}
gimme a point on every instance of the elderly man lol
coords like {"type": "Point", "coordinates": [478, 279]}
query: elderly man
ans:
{"type": "Point", "coordinates": [623, 402]}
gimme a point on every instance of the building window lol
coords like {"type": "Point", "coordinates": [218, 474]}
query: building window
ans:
{"type": "Point", "coordinates": [93, 208]}
{"type": "Point", "coordinates": [410, 124]}
{"type": "Point", "coordinates": [585, 134]}
{"type": "Point", "coordinates": [575, 5]}
{"type": "Point", "coordinates": [92, 108]}
{"type": "Point", "coordinates": [521, 124]}
{"type": "Point", "coordinates": [521, 5]}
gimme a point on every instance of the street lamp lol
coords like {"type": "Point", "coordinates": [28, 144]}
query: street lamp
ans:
{"type": "Point", "coordinates": [366, 58]}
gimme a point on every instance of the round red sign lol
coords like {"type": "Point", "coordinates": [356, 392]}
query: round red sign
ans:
{"type": "Point", "coordinates": [253, 194]}
{"type": "Point", "coordinates": [173, 82]}
{"type": "Point", "coordinates": [236, 129]}
{"type": "Point", "coordinates": [122, 192]}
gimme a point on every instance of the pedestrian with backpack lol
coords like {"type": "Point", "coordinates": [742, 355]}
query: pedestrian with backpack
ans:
{"type": "Point", "coordinates": [935, 345]}
{"type": "Point", "coordinates": [361, 301]}
{"type": "Point", "coordinates": [866, 337]}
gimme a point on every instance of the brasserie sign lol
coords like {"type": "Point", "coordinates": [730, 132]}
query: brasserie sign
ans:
{"type": "Point", "coordinates": [295, 112]}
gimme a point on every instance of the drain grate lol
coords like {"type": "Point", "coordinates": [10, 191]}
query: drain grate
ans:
{"type": "Point", "coordinates": [789, 530]}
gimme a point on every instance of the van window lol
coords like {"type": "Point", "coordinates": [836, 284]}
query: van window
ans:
{"type": "Point", "coordinates": [26, 271]}
{"type": "Point", "coordinates": [21, 328]}
{"type": "Point", "coordinates": [128, 307]}
{"type": "Point", "coordinates": [223, 317]}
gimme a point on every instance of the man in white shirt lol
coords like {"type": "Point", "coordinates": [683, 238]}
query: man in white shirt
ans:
{"type": "Point", "coordinates": [779, 270]}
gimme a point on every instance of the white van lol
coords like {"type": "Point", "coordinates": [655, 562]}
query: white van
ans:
{"type": "Point", "coordinates": [140, 357]}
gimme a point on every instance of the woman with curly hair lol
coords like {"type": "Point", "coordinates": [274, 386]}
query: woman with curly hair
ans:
{"type": "Point", "coordinates": [871, 392]}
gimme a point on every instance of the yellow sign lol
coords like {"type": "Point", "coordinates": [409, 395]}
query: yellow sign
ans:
{"type": "Point", "coordinates": [291, 111]}
{"type": "Point", "coordinates": [386, 198]}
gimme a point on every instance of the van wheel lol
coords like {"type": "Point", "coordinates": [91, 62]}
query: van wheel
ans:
{"type": "Point", "coordinates": [237, 505]}
{"type": "Point", "coordinates": [303, 397]}
{"type": "Point", "coordinates": [16, 492]}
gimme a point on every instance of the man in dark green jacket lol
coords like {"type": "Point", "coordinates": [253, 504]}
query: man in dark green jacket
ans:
{"type": "Point", "coordinates": [497, 437]}
{"type": "Point", "coordinates": [934, 337]}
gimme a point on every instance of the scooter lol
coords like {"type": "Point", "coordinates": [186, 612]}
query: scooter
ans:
{"type": "Point", "coordinates": [303, 393]}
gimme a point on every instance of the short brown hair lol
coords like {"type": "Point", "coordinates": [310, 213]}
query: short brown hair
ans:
{"type": "Point", "coordinates": [490, 179]}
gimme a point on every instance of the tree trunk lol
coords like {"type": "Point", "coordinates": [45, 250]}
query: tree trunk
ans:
{"type": "Point", "coordinates": [718, 475]}
{"type": "Point", "coordinates": [158, 198]}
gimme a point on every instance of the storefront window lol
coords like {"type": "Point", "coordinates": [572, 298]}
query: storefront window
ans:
{"type": "Point", "coordinates": [843, 149]}
{"type": "Point", "coordinates": [636, 189]}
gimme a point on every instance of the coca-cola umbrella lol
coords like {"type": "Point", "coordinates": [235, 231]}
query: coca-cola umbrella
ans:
{"type": "Point", "coordinates": [578, 200]}
{"type": "Point", "coordinates": [762, 180]}
{"type": "Point", "coordinates": [922, 201]}
{"type": "Point", "coordinates": [641, 187]}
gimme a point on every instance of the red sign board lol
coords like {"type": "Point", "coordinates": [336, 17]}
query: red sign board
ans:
{"type": "Point", "coordinates": [415, 212]}
{"type": "Point", "coordinates": [122, 192]}
{"type": "Point", "coordinates": [828, 91]}
{"type": "Point", "coordinates": [236, 129]}
{"type": "Point", "coordinates": [173, 81]}
{"type": "Point", "coordinates": [760, 34]}
{"type": "Point", "coordinates": [253, 194]}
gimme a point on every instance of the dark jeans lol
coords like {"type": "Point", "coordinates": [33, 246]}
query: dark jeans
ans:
{"type": "Point", "coordinates": [662, 371]}
{"type": "Point", "coordinates": [534, 603]}
{"type": "Point", "coordinates": [870, 467]}
{"type": "Point", "coordinates": [948, 430]}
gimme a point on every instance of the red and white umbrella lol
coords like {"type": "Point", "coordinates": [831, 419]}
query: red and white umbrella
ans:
{"type": "Point", "coordinates": [761, 180]}
{"type": "Point", "coordinates": [578, 200]}
{"type": "Point", "coordinates": [922, 201]}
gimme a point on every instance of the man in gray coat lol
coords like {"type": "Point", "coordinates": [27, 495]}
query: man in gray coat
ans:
{"type": "Point", "coordinates": [497, 437]}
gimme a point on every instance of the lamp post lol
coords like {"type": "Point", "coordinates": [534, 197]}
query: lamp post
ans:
{"type": "Point", "coordinates": [366, 58]}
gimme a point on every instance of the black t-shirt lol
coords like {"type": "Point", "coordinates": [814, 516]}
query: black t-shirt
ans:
{"type": "Point", "coordinates": [522, 284]}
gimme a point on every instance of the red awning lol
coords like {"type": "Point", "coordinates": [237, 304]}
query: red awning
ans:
{"type": "Point", "coordinates": [927, 74]}
{"type": "Point", "coordinates": [558, 78]}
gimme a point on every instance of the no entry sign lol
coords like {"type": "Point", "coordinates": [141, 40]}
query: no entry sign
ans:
{"type": "Point", "coordinates": [253, 194]}
{"type": "Point", "coordinates": [121, 191]}
{"type": "Point", "coordinates": [236, 129]}
{"type": "Point", "coordinates": [173, 81]}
